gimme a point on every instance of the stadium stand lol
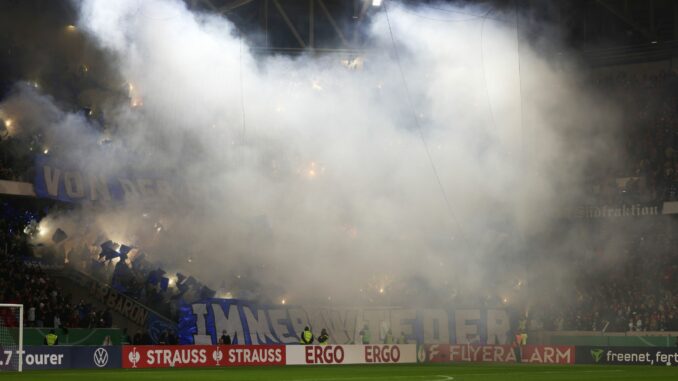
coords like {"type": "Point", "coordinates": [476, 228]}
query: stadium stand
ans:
{"type": "Point", "coordinates": [618, 299]}
{"type": "Point", "coordinates": [46, 304]}
{"type": "Point", "coordinates": [649, 136]}
{"type": "Point", "coordinates": [616, 284]}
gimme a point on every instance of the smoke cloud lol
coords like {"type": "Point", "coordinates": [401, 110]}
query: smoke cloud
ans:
{"type": "Point", "coordinates": [306, 179]}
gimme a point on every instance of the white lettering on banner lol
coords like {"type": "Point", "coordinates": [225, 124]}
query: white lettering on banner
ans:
{"type": "Point", "coordinates": [164, 189]}
{"type": "Point", "coordinates": [193, 356]}
{"type": "Point", "coordinates": [145, 187]}
{"type": "Point", "coordinates": [465, 332]}
{"type": "Point", "coordinates": [258, 326]}
{"type": "Point", "coordinates": [129, 189]}
{"type": "Point", "coordinates": [43, 359]}
{"type": "Point", "coordinates": [200, 312]}
{"type": "Point", "coordinates": [481, 353]}
{"type": "Point", "coordinates": [500, 353]}
{"type": "Point", "coordinates": [119, 303]}
{"type": "Point", "coordinates": [254, 355]}
{"type": "Point", "coordinates": [373, 319]}
{"type": "Point", "coordinates": [73, 184]}
{"type": "Point", "coordinates": [436, 326]}
{"type": "Point", "coordinates": [617, 211]}
{"type": "Point", "coordinates": [315, 320]}
{"type": "Point", "coordinates": [279, 323]}
{"type": "Point", "coordinates": [51, 177]}
{"type": "Point", "coordinates": [76, 185]}
{"type": "Point", "coordinates": [350, 354]}
{"type": "Point", "coordinates": [341, 329]}
{"type": "Point", "coordinates": [403, 321]}
{"type": "Point", "coordinates": [498, 327]}
{"type": "Point", "coordinates": [299, 319]}
{"type": "Point", "coordinates": [97, 185]}
{"type": "Point", "coordinates": [230, 323]}
{"type": "Point", "coordinates": [176, 357]}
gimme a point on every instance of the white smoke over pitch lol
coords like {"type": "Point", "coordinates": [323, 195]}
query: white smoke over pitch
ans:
{"type": "Point", "coordinates": [325, 190]}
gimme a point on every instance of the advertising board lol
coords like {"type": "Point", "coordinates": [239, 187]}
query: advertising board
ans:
{"type": "Point", "coordinates": [663, 356]}
{"type": "Point", "coordinates": [539, 354]}
{"type": "Point", "coordinates": [351, 354]}
{"type": "Point", "coordinates": [196, 356]}
{"type": "Point", "coordinates": [62, 357]}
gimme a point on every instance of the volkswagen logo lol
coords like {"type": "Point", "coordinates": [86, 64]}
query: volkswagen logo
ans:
{"type": "Point", "coordinates": [100, 357]}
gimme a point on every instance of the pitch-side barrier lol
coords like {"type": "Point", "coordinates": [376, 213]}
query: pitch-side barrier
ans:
{"type": "Point", "coordinates": [182, 356]}
{"type": "Point", "coordinates": [196, 356]}
{"type": "Point", "coordinates": [549, 354]}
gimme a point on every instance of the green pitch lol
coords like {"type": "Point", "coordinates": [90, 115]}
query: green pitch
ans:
{"type": "Point", "coordinates": [432, 372]}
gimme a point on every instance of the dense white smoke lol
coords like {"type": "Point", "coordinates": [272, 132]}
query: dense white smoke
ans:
{"type": "Point", "coordinates": [315, 183]}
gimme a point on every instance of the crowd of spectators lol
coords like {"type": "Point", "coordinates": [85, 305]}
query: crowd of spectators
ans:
{"type": "Point", "coordinates": [23, 281]}
{"type": "Point", "coordinates": [627, 285]}
{"type": "Point", "coordinates": [16, 157]}
{"type": "Point", "coordinates": [139, 279]}
{"type": "Point", "coordinates": [627, 281]}
{"type": "Point", "coordinates": [647, 165]}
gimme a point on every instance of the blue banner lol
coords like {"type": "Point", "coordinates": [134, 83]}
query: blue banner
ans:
{"type": "Point", "coordinates": [249, 323]}
{"type": "Point", "coordinates": [156, 325]}
{"type": "Point", "coordinates": [69, 183]}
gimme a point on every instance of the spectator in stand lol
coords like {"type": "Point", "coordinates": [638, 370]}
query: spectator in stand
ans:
{"type": "Point", "coordinates": [365, 335]}
{"type": "Point", "coordinates": [57, 320]}
{"type": "Point", "coordinates": [146, 339]}
{"type": "Point", "coordinates": [30, 316]}
{"type": "Point", "coordinates": [225, 339]}
{"type": "Point", "coordinates": [388, 339]}
{"type": "Point", "coordinates": [172, 338]}
{"type": "Point", "coordinates": [26, 283]}
{"type": "Point", "coordinates": [637, 292]}
{"type": "Point", "coordinates": [107, 318]}
{"type": "Point", "coordinates": [403, 338]}
{"type": "Point", "coordinates": [125, 337]}
{"type": "Point", "coordinates": [164, 338]}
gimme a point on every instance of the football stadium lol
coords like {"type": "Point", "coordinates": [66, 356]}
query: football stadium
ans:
{"type": "Point", "coordinates": [338, 190]}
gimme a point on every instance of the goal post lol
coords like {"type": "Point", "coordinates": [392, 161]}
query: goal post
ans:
{"type": "Point", "coordinates": [11, 337]}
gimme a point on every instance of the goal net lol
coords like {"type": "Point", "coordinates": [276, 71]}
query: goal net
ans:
{"type": "Point", "coordinates": [11, 337]}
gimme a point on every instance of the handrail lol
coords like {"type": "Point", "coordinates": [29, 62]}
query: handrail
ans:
{"type": "Point", "coordinates": [132, 300]}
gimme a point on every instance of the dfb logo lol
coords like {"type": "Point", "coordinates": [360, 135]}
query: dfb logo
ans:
{"type": "Point", "coordinates": [134, 357]}
{"type": "Point", "coordinates": [101, 357]}
{"type": "Point", "coordinates": [217, 356]}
